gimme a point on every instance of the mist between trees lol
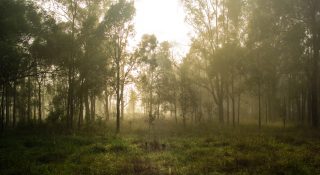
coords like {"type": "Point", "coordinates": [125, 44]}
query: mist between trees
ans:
{"type": "Point", "coordinates": [66, 62]}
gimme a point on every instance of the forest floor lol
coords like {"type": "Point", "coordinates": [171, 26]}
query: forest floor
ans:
{"type": "Point", "coordinates": [165, 149]}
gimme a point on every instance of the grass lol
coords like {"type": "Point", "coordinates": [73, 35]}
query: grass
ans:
{"type": "Point", "coordinates": [166, 149]}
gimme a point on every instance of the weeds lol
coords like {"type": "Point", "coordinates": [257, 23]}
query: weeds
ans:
{"type": "Point", "coordinates": [201, 151]}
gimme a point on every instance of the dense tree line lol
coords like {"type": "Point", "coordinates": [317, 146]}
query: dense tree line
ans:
{"type": "Point", "coordinates": [67, 52]}
{"type": "Point", "coordinates": [263, 50]}
{"type": "Point", "coordinates": [61, 60]}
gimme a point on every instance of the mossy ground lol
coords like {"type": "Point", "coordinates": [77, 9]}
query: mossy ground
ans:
{"type": "Point", "coordinates": [165, 149]}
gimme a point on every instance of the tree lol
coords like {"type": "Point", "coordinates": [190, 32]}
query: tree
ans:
{"type": "Point", "coordinates": [147, 55]}
{"type": "Point", "coordinates": [22, 25]}
{"type": "Point", "coordinates": [217, 24]}
{"type": "Point", "coordinates": [118, 28]}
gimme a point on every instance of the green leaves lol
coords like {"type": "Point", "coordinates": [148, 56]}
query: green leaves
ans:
{"type": "Point", "coordinates": [118, 15]}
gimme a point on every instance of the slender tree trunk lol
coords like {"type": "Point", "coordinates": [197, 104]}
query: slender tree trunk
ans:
{"type": "Point", "coordinates": [87, 108]}
{"type": "Point", "coordinates": [14, 104]}
{"type": "Point", "coordinates": [158, 110]}
{"type": "Point", "coordinates": [220, 98]}
{"type": "Point", "coordinates": [29, 101]}
{"type": "Point", "coordinates": [118, 88]}
{"type": "Point", "coordinates": [93, 108]}
{"type": "Point", "coordinates": [134, 110]}
{"type": "Point", "coordinates": [216, 17]}
{"type": "Point", "coordinates": [259, 96]}
{"type": "Point", "coordinates": [228, 107]}
{"type": "Point", "coordinates": [290, 108]}
{"type": "Point", "coordinates": [175, 106]}
{"type": "Point", "coordinates": [266, 110]}
{"type": "Point", "coordinates": [107, 114]}
{"type": "Point", "coordinates": [239, 102]}
{"type": "Point", "coordinates": [300, 107]}
{"type": "Point", "coordinates": [151, 99]}
{"type": "Point", "coordinates": [233, 111]}
{"type": "Point", "coordinates": [200, 114]}
{"type": "Point", "coordinates": [111, 110]}
{"type": "Point", "coordinates": [122, 106]}
{"type": "Point", "coordinates": [69, 97]}
{"type": "Point", "coordinates": [80, 119]}
{"type": "Point", "coordinates": [7, 105]}
{"type": "Point", "coordinates": [118, 106]}
{"type": "Point", "coordinates": [145, 107]}
{"type": "Point", "coordinates": [70, 105]}
{"type": "Point", "coordinates": [122, 92]}
{"type": "Point", "coordinates": [192, 115]}
{"type": "Point", "coordinates": [220, 101]}
{"type": "Point", "coordinates": [315, 68]}
{"type": "Point", "coordinates": [303, 107]}
{"type": "Point", "coordinates": [34, 113]}
{"type": "Point", "coordinates": [39, 102]}
{"type": "Point", "coordinates": [2, 107]}
{"type": "Point", "coordinates": [233, 102]}
{"type": "Point", "coordinates": [220, 106]}
{"type": "Point", "coordinates": [184, 119]}
{"type": "Point", "coordinates": [309, 108]}
{"type": "Point", "coordinates": [175, 112]}
{"type": "Point", "coordinates": [285, 113]}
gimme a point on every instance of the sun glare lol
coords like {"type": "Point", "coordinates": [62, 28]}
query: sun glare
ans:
{"type": "Point", "coordinates": [165, 19]}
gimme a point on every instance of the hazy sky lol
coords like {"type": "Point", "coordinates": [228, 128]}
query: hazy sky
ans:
{"type": "Point", "coordinates": [165, 19]}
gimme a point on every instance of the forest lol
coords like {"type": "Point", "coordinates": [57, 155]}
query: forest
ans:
{"type": "Point", "coordinates": [77, 96]}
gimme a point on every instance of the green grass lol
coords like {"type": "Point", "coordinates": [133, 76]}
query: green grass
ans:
{"type": "Point", "coordinates": [166, 149]}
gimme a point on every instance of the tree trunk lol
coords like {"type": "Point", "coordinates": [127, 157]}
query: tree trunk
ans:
{"type": "Point", "coordinates": [111, 110]}
{"type": "Point", "coordinates": [233, 103]}
{"type": "Point", "coordinates": [220, 100]}
{"type": "Point", "coordinates": [71, 103]}
{"type": "Point", "coordinates": [315, 71]}
{"type": "Point", "coordinates": [93, 107]}
{"type": "Point", "coordinates": [107, 114]}
{"type": "Point", "coordinates": [87, 108]}
{"type": "Point", "coordinates": [303, 107]}
{"type": "Point", "coordinates": [122, 106]}
{"type": "Point", "coordinates": [80, 119]}
{"type": "Point", "coordinates": [259, 97]}
{"type": "Point", "coordinates": [158, 110]}
{"type": "Point", "coordinates": [285, 113]}
{"type": "Point", "coordinates": [151, 99]}
{"type": "Point", "coordinates": [29, 101]}
{"type": "Point", "coordinates": [175, 112]}
{"type": "Point", "coordinates": [34, 113]}
{"type": "Point", "coordinates": [300, 107]}
{"type": "Point", "coordinates": [239, 101]}
{"type": "Point", "coordinates": [2, 107]}
{"type": "Point", "coordinates": [14, 104]}
{"type": "Point", "coordinates": [122, 92]}
{"type": "Point", "coordinates": [69, 98]}
{"type": "Point", "coordinates": [309, 107]}
{"type": "Point", "coordinates": [7, 105]}
{"type": "Point", "coordinates": [71, 73]}
{"type": "Point", "coordinates": [39, 102]}
{"type": "Point", "coordinates": [220, 106]}
{"type": "Point", "coordinates": [118, 88]}
{"type": "Point", "coordinates": [228, 107]}
{"type": "Point", "coordinates": [266, 110]}
{"type": "Point", "coordinates": [184, 119]}
{"type": "Point", "coordinates": [134, 110]}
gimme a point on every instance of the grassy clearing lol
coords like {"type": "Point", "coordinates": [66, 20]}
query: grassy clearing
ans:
{"type": "Point", "coordinates": [163, 150]}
